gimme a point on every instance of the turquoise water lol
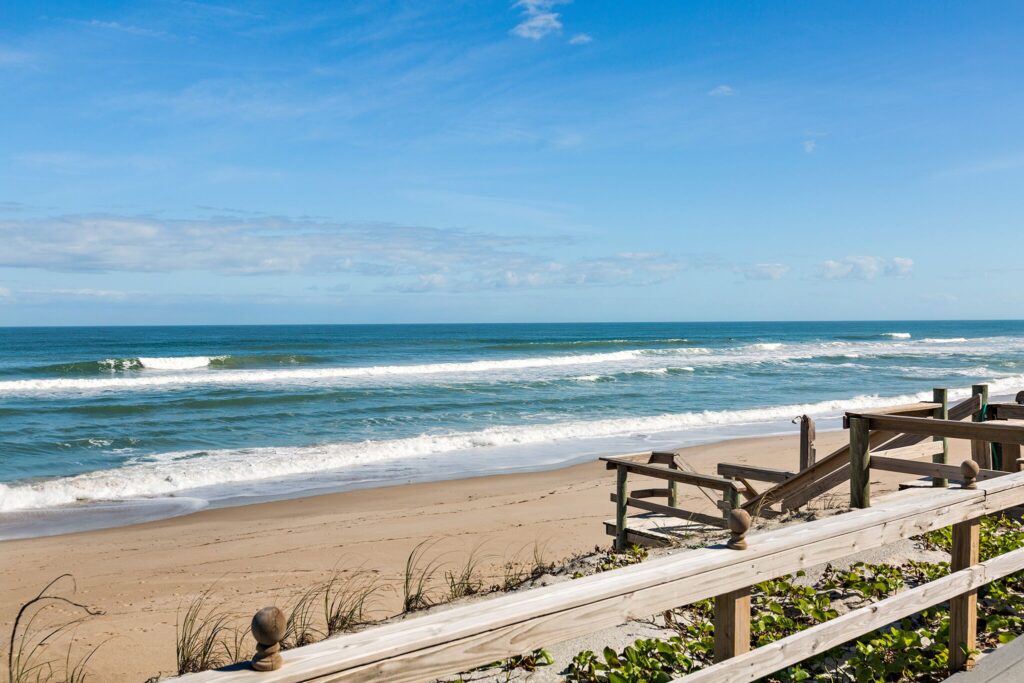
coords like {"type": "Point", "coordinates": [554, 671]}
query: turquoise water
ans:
{"type": "Point", "coordinates": [124, 423]}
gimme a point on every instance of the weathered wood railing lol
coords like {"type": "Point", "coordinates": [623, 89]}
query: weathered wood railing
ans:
{"type": "Point", "coordinates": [674, 475]}
{"type": "Point", "coordinates": [458, 639]}
{"type": "Point", "coordinates": [995, 443]}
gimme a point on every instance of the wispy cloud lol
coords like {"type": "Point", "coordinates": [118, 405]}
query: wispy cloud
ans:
{"type": "Point", "coordinates": [76, 163]}
{"type": "Point", "coordinates": [722, 91]}
{"type": "Point", "coordinates": [12, 57]}
{"type": "Point", "coordinates": [120, 28]}
{"type": "Point", "coordinates": [866, 268]}
{"type": "Point", "coordinates": [538, 19]}
{"type": "Point", "coordinates": [810, 146]}
{"type": "Point", "coordinates": [392, 257]}
{"type": "Point", "coordinates": [763, 271]}
{"type": "Point", "coordinates": [581, 39]}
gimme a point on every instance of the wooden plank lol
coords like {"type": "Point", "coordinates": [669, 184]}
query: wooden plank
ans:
{"type": "Point", "coordinates": [941, 396]}
{"type": "Point", "coordinates": [670, 511]}
{"type": "Point", "coordinates": [462, 637]}
{"type": "Point", "coordinates": [643, 537]}
{"type": "Point", "coordinates": [925, 469]}
{"type": "Point", "coordinates": [963, 609]}
{"type": "Point", "coordinates": [808, 432]}
{"type": "Point", "coordinates": [732, 624]}
{"type": "Point", "coordinates": [1006, 411]}
{"type": "Point", "coordinates": [823, 485]}
{"type": "Point", "coordinates": [709, 481]}
{"type": "Point", "coordinates": [804, 644]}
{"type": "Point", "coordinates": [833, 461]}
{"type": "Point", "coordinates": [976, 431]}
{"type": "Point", "coordinates": [621, 474]}
{"type": "Point", "coordinates": [649, 493]}
{"type": "Point", "coordinates": [860, 462]}
{"type": "Point", "coordinates": [1011, 457]}
{"type": "Point", "coordinates": [754, 472]}
{"type": "Point", "coordinates": [925, 449]}
{"type": "Point", "coordinates": [661, 458]}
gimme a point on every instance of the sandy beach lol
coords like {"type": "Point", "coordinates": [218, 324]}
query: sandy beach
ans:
{"type": "Point", "coordinates": [268, 553]}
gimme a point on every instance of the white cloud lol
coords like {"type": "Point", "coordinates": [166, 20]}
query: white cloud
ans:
{"type": "Point", "coordinates": [810, 146]}
{"type": "Point", "coordinates": [722, 91]}
{"type": "Point", "coordinates": [866, 268]}
{"type": "Point", "coordinates": [581, 39]}
{"type": "Point", "coordinates": [763, 271]}
{"type": "Point", "coordinates": [5, 294]}
{"type": "Point", "coordinates": [538, 19]}
{"type": "Point", "coordinates": [11, 57]}
{"type": "Point", "coordinates": [395, 257]}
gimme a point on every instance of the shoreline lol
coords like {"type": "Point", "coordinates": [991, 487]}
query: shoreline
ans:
{"type": "Point", "coordinates": [267, 553]}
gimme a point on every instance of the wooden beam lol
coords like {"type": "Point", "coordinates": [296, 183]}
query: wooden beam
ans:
{"type": "Point", "coordinates": [1006, 411]}
{"type": "Point", "coordinates": [732, 624]}
{"type": "Point", "coordinates": [926, 469]}
{"type": "Point", "coordinates": [649, 493]}
{"type": "Point", "coordinates": [802, 645]}
{"type": "Point", "coordinates": [465, 636]}
{"type": "Point", "coordinates": [754, 472]}
{"type": "Point", "coordinates": [963, 609]}
{"type": "Point", "coordinates": [925, 449]}
{"type": "Point", "coordinates": [1011, 457]}
{"type": "Point", "coordinates": [941, 396]}
{"type": "Point", "coordinates": [860, 462]}
{"type": "Point", "coordinates": [976, 431]}
{"type": "Point", "coordinates": [621, 473]}
{"type": "Point", "coordinates": [703, 480]}
{"type": "Point", "coordinates": [833, 461]}
{"type": "Point", "coordinates": [670, 511]}
{"type": "Point", "coordinates": [831, 480]}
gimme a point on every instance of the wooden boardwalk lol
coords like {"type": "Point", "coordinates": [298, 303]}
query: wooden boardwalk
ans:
{"type": "Point", "coordinates": [1004, 665]}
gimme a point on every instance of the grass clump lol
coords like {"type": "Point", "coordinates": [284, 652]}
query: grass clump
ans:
{"type": "Point", "coordinates": [29, 639]}
{"type": "Point", "coordinates": [200, 635]}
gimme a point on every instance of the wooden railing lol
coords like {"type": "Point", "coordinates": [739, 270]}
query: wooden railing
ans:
{"type": "Point", "coordinates": [463, 637]}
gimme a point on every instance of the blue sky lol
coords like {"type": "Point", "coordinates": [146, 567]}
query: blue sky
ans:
{"type": "Point", "coordinates": [189, 162]}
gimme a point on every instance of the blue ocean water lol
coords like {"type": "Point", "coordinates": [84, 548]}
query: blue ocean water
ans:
{"type": "Point", "coordinates": [117, 424]}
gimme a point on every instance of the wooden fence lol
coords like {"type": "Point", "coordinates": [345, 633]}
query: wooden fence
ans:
{"type": "Point", "coordinates": [460, 638]}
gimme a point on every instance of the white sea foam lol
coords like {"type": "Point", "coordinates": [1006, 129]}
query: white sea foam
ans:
{"type": "Point", "coordinates": [166, 373]}
{"type": "Point", "coordinates": [172, 473]}
{"type": "Point", "coordinates": [897, 335]}
{"type": "Point", "coordinates": [178, 362]}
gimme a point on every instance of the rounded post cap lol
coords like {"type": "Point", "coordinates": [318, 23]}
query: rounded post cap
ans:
{"type": "Point", "coordinates": [739, 521]}
{"type": "Point", "coordinates": [969, 469]}
{"type": "Point", "coordinates": [268, 626]}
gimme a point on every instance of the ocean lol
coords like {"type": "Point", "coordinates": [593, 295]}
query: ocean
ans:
{"type": "Point", "coordinates": [105, 426]}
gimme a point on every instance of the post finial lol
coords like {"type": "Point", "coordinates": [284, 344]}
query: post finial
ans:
{"type": "Point", "coordinates": [969, 469]}
{"type": "Point", "coordinates": [1020, 397]}
{"type": "Point", "coordinates": [739, 524]}
{"type": "Point", "coordinates": [268, 628]}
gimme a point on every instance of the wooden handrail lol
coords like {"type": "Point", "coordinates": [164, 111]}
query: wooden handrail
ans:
{"type": "Point", "coordinates": [460, 638]}
{"type": "Point", "coordinates": [704, 480]}
{"type": "Point", "coordinates": [997, 432]}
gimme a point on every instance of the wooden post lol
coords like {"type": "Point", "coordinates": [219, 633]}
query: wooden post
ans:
{"type": "Point", "coordinates": [731, 498]}
{"type": "Point", "coordinates": [673, 487]}
{"type": "Point", "coordinates": [807, 434]}
{"type": "Point", "coordinates": [621, 495]}
{"type": "Point", "coordinates": [963, 609]}
{"type": "Point", "coordinates": [941, 395]}
{"type": "Point", "coordinates": [980, 450]}
{"type": "Point", "coordinates": [732, 624]}
{"type": "Point", "coordinates": [860, 463]}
